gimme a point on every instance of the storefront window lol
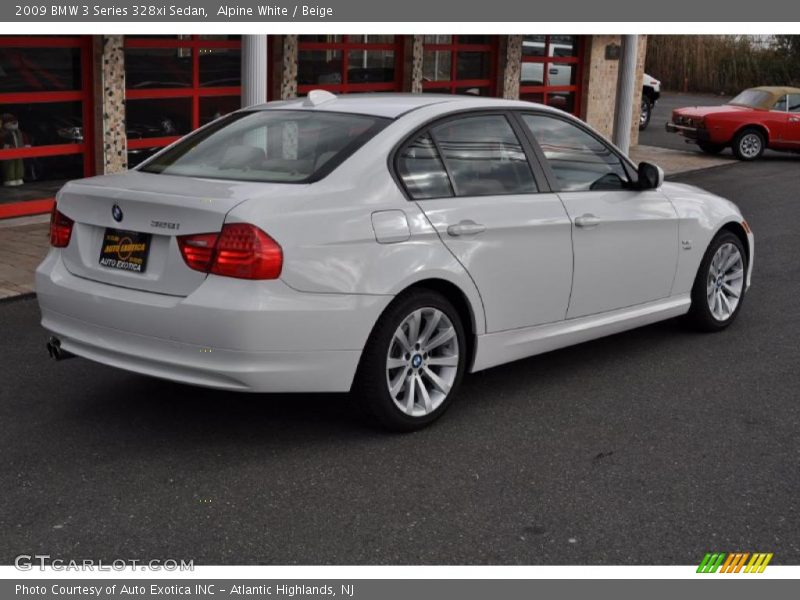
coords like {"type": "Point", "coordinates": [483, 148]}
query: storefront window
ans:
{"type": "Point", "coordinates": [45, 119]}
{"type": "Point", "coordinates": [214, 107]}
{"type": "Point", "coordinates": [459, 64]}
{"type": "Point", "coordinates": [349, 63]}
{"type": "Point", "coordinates": [550, 72]}
{"type": "Point", "coordinates": [175, 84]}
{"type": "Point", "coordinates": [148, 68]}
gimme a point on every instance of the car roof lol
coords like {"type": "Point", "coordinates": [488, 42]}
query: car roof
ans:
{"type": "Point", "coordinates": [390, 106]}
{"type": "Point", "coordinates": [777, 90]}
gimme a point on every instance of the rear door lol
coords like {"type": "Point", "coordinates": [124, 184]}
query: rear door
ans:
{"type": "Point", "coordinates": [473, 180]}
{"type": "Point", "coordinates": [625, 241]}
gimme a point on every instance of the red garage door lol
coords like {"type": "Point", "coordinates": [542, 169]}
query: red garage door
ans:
{"type": "Point", "coordinates": [174, 84]}
{"type": "Point", "coordinates": [46, 114]}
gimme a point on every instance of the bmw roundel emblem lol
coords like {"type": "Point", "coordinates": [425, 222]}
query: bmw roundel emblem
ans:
{"type": "Point", "coordinates": [116, 212]}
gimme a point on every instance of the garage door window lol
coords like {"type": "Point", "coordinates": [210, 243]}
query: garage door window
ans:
{"type": "Point", "coordinates": [350, 63]}
{"type": "Point", "coordinates": [175, 84]}
{"type": "Point", "coordinates": [459, 64]}
{"type": "Point", "coordinates": [46, 119]}
{"type": "Point", "coordinates": [484, 157]}
{"type": "Point", "coordinates": [550, 71]}
{"type": "Point", "coordinates": [579, 160]}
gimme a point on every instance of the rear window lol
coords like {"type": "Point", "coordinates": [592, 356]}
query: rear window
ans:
{"type": "Point", "coordinates": [277, 146]}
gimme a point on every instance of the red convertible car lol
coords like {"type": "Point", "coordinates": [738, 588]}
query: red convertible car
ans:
{"type": "Point", "coordinates": [756, 119]}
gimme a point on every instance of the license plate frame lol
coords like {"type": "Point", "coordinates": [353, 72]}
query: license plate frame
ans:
{"type": "Point", "coordinates": [124, 250]}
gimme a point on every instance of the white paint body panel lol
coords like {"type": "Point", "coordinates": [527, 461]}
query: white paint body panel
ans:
{"type": "Point", "coordinates": [521, 263]}
{"type": "Point", "coordinates": [347, 254]}
{"type": "Point", "coordinates": [499, 348]}
{"type": "Point", "coordinates": [629, 257]}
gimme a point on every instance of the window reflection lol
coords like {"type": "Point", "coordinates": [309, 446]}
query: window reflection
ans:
{"type": "Point", "coordinates": [214, 107]}
{"type": "Point", "coordinates": [40, 69]}
{"type": "Point", "coordinates": [436, 65]}
{"type": "Point", "coordinates": [319, 66]}
{"type": "Point", "coordinates": [160, 117]}
{"type": "Point", "coordinates": [370, 66]}
{"type": "Point", "coordinates": [158, 68]}
{"type": "Point", "coordinates": [46, 123]}
{"type": "Point", "coordinates": [220, 67]}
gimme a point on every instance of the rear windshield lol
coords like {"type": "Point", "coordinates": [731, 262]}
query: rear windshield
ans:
{"type": "Point", "coordinates": [279, 146]}
{"type": "Point", "coordinates": [752, 98]}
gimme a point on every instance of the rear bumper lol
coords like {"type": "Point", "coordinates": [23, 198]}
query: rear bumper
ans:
{"type": "Point", "coordinates": [692, 133]}
{"type": "Point", "coordinates": [255, 336]}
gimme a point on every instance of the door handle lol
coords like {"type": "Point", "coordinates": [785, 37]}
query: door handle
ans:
{"type": "Point", "coordinates": [466, 227]}
{"type": "Point", "coordinates": [587, 221]}
{"type": "Point", "coordinates": [794, 119]}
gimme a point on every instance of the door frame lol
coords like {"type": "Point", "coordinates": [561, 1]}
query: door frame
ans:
{"type": "Point", "coordinates": [543, 183]}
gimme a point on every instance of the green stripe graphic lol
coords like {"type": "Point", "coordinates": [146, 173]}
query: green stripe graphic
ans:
{"type": "Point", "coordinates": [711, 562]}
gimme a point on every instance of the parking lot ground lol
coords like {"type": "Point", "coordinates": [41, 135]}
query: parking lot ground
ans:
{"type": "Point", "coordinates": [677, 161]}
{"type": "Point", "coordinates": [649, 447]}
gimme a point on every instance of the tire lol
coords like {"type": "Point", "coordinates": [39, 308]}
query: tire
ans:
{"type": "Point", "coordinates": [645, 113]}
{"type": "Point", "coordinates": [749, 144]}
{"type": "Point", "coordinates": [710, 148]}
{"type": "Point", "coordinates": [709, 310]}
{"type": "Point", "coordinates": [412, 373]}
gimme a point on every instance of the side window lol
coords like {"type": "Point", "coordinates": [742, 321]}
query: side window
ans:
{"type": "Point", "coordinates": [794, 103]}
{"type": "Point", "coordinates": [579, 160]}
{"type": "Point", "coordinates": [780, 105]}
{"type": "Point", "coordinates": [484, 156]}
{"type": "Point", "coordinates": [422, 171]}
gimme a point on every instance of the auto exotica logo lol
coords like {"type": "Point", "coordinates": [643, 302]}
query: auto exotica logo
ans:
{"type": "Point", "coordinates": [734, 562]}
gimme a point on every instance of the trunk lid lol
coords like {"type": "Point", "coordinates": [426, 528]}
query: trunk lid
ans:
{"type": "Point", "coordinates": [156, 209]}
{"type": "Point", "coordinates": [703, 111]}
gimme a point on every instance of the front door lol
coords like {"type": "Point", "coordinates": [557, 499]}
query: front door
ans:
{"type": "Point", "coordinates": [625, 241]}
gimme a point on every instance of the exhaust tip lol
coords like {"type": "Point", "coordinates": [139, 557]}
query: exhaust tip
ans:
{"type": "Point", "coordinates": [54, 350]}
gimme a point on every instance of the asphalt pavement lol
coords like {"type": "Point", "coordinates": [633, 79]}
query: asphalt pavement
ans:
{"type": "Point", "coordinates": [649, 447]}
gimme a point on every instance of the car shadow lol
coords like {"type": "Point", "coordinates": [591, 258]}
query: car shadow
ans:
{"type": "Point", "coordinates": [125, 404]}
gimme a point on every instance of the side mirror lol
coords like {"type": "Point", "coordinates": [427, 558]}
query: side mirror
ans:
{"type": "Point", "coordinates": [650, 176]}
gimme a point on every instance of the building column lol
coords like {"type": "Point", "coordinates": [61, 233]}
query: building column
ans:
{"type": "Point", "coordinates": [626, 92]}
{"type": "Point", "coordinates": [110, 139]}
{"type": "Point", "coordinates": [512, 65]}
{"type": "Point", "coordinates": [641, 55]}
{"type": "Point", "coordinates": [416, 73]}
{"type": "Point", "coordinates": [289, 70]}
{"type": "Point", "coordinates": [254, 70]}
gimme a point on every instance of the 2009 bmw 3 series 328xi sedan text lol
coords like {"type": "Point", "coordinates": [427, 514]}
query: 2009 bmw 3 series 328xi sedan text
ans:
{"type": "Point", "coordinates": [381, 243]}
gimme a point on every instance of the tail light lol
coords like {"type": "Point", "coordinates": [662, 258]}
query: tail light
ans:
{"type": "Point", "coordinates": [60, 229]}
{"type": "Point", "coordinates": [240, 250]}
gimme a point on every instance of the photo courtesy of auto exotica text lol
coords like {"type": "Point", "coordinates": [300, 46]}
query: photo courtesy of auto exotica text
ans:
{"type": "Point", "coordinates": [375, 301]}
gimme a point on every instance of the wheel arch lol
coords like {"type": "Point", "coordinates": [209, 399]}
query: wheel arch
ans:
{"type": "Point", "coordinates": [758, 127]}
{"type": "Point", "coordinates": [470, 317]}
{"type": "Point", "coordinates": [738, 230]}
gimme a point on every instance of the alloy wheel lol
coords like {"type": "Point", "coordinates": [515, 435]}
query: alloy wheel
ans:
{"type": "Point", "coordinates": [422, 362]}
{"type": "Point", "coordinates": [750, 145]}
{"type": "Point", "coordinates": [725, 281]}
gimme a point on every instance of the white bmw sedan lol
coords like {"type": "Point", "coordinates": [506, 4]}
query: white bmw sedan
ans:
{"type": "Point", "coordinates": [386, 244]}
